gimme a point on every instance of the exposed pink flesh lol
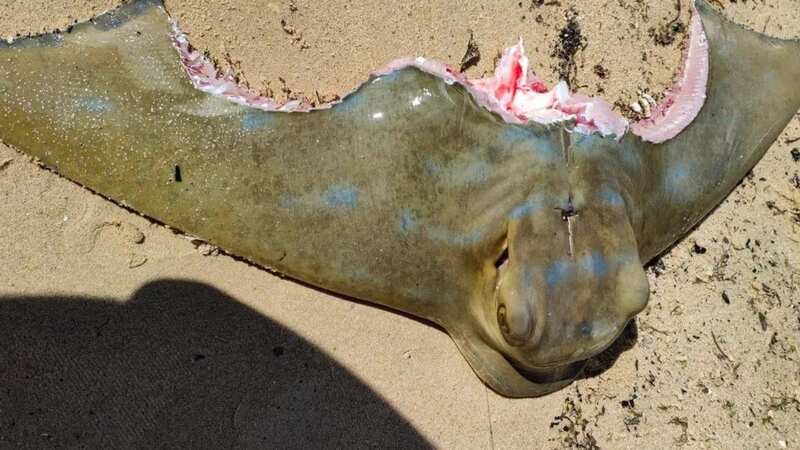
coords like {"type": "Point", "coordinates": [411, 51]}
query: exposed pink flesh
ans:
{"type": "Point", "coordinates": [205, 77]}
{"type": "Point", "coordinates": [684, 100]}
{"type": "Point", "coordinates": [514, 92]}
{"type": "Point", "coordinates": [516, 89]}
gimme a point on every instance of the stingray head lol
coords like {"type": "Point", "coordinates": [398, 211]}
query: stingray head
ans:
{"type": "Point", "coordinates": [569, 278]}
{"type": "Point", "coordinates": [570, 284]}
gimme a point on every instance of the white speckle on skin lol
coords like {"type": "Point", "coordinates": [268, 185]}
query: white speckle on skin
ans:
{"type": "Point", "coordinates": [419, 99]}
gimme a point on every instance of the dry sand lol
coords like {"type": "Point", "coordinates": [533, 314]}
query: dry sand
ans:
{"type": "Point", "coordinates": [102, 345]}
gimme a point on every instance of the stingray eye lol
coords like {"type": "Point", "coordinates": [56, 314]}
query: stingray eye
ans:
{"type": "Point", "coordinates": [516, 326]}
{"type": "Point", "coordinates": [502, 320]}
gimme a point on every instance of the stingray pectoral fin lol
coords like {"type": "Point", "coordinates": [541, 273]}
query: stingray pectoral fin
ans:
{"type": "Point", "coordinates": [92, 99]}
{"type": "Point", "coordinates": [753, 92]}
{"type": "Point", "coordinates": [109, 105]}
{"type": "Point", "coordinates": [498, 373]}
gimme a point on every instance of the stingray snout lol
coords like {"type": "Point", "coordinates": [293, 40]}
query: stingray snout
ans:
{"type": "Point", "coordinates": [515, 299]}
{"type": "Point", "coordinates": [567, 312]}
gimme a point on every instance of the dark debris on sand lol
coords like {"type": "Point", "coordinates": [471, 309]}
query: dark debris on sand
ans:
{"type": "Point", "coordinates": [570, 41]}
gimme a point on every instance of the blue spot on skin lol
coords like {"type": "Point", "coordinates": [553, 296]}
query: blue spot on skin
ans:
{"type": "Point", "coordinates": [557, 272]}
{"type": "Point", "coordinates": [433, 167]}
{"type": "Point", "coordinates": [526, 209]}
{"type": "Point", "coordinates": [341, 196]}
{"type": "Point", "coordinates": [678, 180]}
{"type": "Point", "coordinates": [678, 173]}
{"type": "Point", "coordinates": [95, 105]}
{"type": "Point", "coordinates": [477, 172]}
{"type": "Point", "coordinates": [408, 221]}
{"type": "Point", "coordinates": [255, 120]}
{"type": "Point", "coordinates": [595, 264]}
{"type": "Point", "coordinates": [611, 196]}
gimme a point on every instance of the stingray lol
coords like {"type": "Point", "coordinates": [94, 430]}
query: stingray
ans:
{"type": "Point", "coordinates": [515, 216]}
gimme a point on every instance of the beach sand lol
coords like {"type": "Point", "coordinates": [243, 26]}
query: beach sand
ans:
{"type": "Point", "coordinates": [118, 331]}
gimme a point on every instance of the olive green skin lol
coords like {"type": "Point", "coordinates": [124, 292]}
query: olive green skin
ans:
{"type": "Point", "coordinates": [407, 194]}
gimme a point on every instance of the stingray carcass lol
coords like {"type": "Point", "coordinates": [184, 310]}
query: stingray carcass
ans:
{"type": "Point", "coordinates": [514, 216]}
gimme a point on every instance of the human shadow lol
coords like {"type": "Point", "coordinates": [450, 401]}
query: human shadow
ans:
{"type": "Point", "coordinates": [179, 365]}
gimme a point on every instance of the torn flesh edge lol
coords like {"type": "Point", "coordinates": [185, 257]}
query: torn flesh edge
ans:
{"type": "Point", "coordinates": [683, 102]}
{"type": "Point", "coordinates": [515, 93]}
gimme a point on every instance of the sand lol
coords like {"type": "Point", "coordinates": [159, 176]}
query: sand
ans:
{"type": "Point", "coordinates": [118, 332]}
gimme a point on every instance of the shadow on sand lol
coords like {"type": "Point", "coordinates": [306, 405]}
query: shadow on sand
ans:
{"type": "Point", "coordinates": [600, 363]}
{"type": "Point", "coordinates": [179, 365]}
